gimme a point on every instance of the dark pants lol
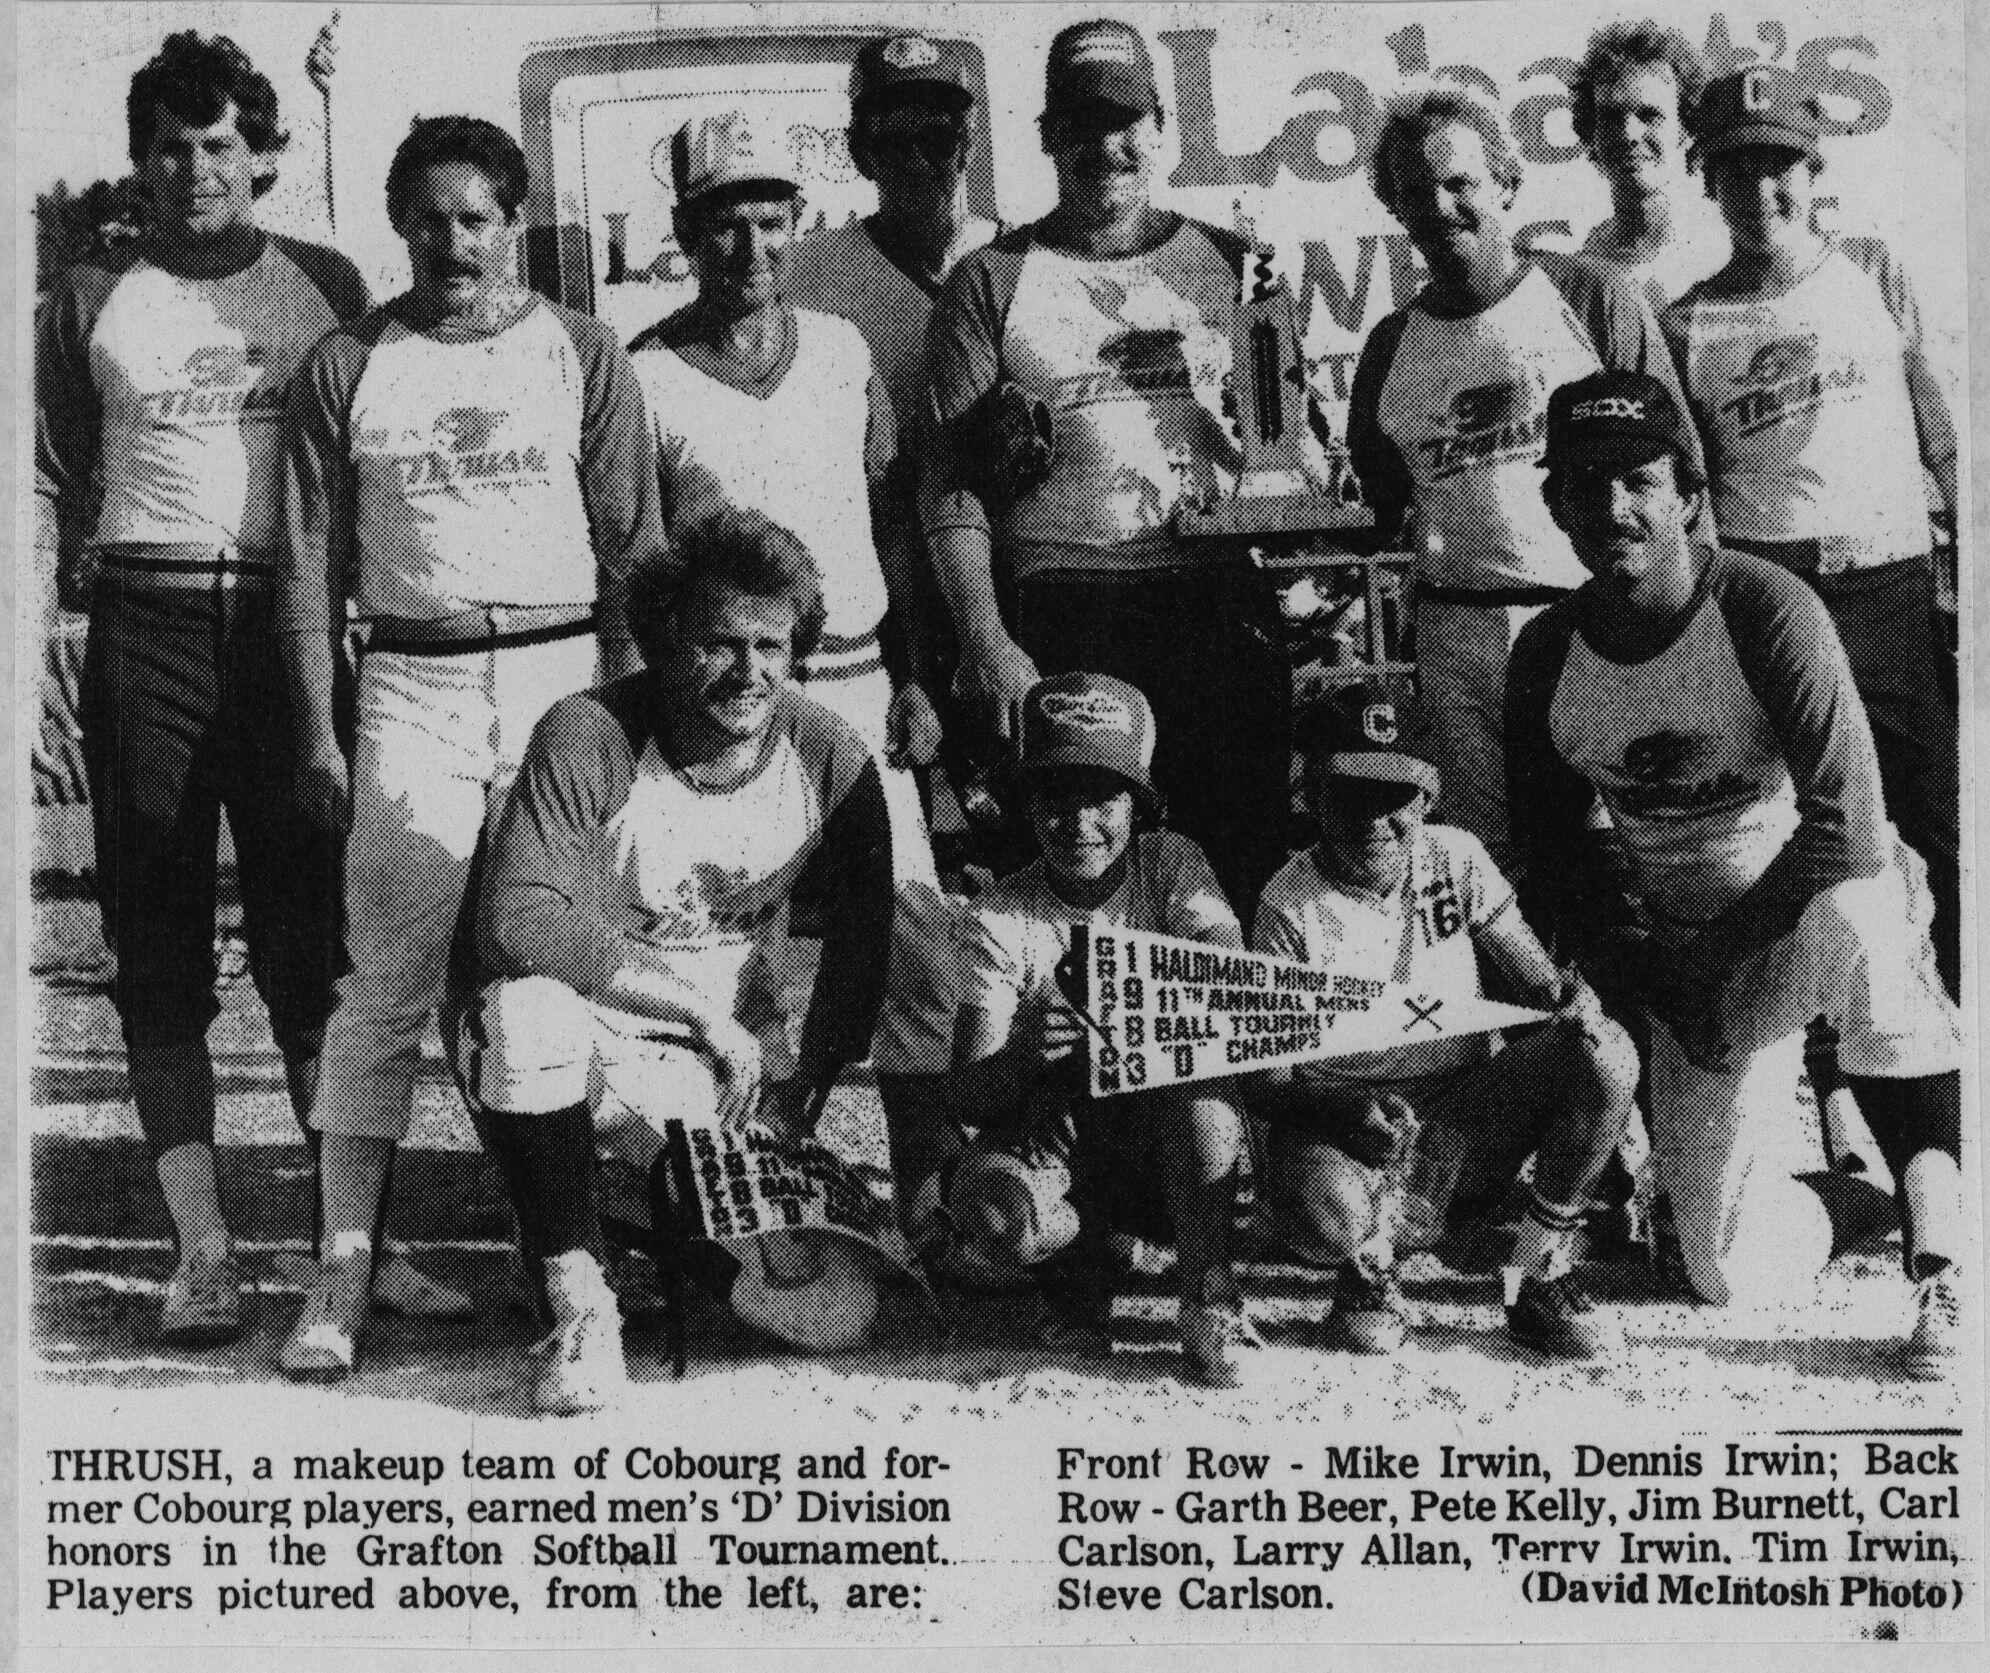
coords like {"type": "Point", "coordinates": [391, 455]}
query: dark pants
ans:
{"type": "Point", "coordinates": [1886, 618]}
{"type": "Point", "coordinates": [1206, 647]}
{"type": "Point", "coordinates": [184, 715]}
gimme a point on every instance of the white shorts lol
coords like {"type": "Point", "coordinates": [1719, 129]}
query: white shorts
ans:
{"type": "Point", "coordinates": [1729, 1142]}
{"type": "Point", "coordinates": [930, 930]}
{"type": "Point", "coordinates": [532, 1045]}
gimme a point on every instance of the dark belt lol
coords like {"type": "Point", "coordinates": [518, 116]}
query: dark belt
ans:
{"type": "Point", "coordinates": [1490, 598]}
{"type": "Point", "coordinates": [186, 567]}
{"type": "Point", "coordinates": [467, 633]}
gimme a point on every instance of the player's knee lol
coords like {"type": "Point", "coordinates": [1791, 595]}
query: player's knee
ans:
{"type": "Point", "coordinates": [1212, 1130]}
{"type": "Point", "coordinates": [525, 1046]}
{"type": "Point", "coordinates": [1323, 1202]}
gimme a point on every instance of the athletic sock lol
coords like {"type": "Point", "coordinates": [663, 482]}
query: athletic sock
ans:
{"type": "Point", "coordinates": [1544, 1247]}
{"type": "Point", "coordinates": [1909, 1116]}
{"type": "Point", "coordinates": [548, 1164]}
{"type": "Point", "coordinates": [193, 1197]}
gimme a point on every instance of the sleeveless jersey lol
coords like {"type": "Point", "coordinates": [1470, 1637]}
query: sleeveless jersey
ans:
{"type": "Point", "coordinates": [795, 452]}
{"type": "Point", "coordinates": [1804, 402]}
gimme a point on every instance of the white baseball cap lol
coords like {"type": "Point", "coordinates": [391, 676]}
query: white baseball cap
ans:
{"type": "Point", "coordinates": [729, 148]}
{"type": "Point", "coordinates": [814, 1289]}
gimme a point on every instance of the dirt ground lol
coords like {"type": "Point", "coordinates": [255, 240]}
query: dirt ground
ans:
{"type": "Point", "coordinates": [101, 1255]}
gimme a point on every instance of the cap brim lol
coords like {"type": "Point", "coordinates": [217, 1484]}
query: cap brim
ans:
{"type": "Point", "coordinates": [1075, 755]}
{"type": "Point", "coordinates": [886, 92]}
{"type": "Point", "coordinates": [1121, 92]}
{"type": "Point", "coordinates": [1617, 451]}
{"type": "Point", "coordinates": [1381, 767]}
{"type": "Point", "coordinates": [1770, 134]}
{"type": "Point", "coordinates": [742, 190]}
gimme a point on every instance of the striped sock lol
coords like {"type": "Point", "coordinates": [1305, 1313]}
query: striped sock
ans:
{"type": "Point", "coordinates": [1544, 1248]}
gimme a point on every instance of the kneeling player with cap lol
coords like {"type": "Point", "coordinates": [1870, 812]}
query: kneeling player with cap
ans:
{"type": "Point", "coordinates": [662, 829]}
{"type": "Point", "coordinates": [1386, 896]}
{"type": "Point", "coordinates": [1087, 747]}
{"type": "Point", "coordinates": [1704, 696]}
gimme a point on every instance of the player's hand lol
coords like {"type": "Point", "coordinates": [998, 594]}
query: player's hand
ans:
{"type": "Point", "coordinates": [992, 680]}
{"type": "Point", "coordinates": [737, 1055]}
{"type": "Point", "coordinates": [784, 1111]}
{"type": "Point", "coordinates": [1051, 1035]}
{"type": "Point", "coordinates": [324, 788]}
{"type": "Point", "coordinates": [912, 727]}
{"type": "Point", "coordinates": [1579, 1003]}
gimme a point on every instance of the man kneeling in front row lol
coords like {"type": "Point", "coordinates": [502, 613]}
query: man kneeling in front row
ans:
{"type": "Point", "coordinates": [1386, 896]}
{"type": "Point", "coordinates": [636, 899]}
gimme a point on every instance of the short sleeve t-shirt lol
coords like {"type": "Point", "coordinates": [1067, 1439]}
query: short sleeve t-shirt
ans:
{"type": "Point", "coordinates": [1420, 933]}
{"type": "Point", "coordinates": [1024, 926]}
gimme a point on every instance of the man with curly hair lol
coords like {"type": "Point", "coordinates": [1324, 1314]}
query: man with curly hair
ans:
{"type": "Point", "coordinates": [1446, 422]}
{"type": "Point", "coordinates": [161, 373]}
{"type": "Point", "coordinates": [1633, 101]}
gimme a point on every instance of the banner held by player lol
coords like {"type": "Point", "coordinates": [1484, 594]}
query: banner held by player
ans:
{"type": "Point", "coordinates": [1163, 1011]}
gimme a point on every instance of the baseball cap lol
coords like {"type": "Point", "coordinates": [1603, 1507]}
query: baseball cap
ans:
{"type": "Point", "coordinates": [1013, 1210]}
{"type": "Point", "coordinates": [1103, 60]}
{"type": "Point", "coordinates": [1365, 731]}
{"type": "Point", "coordinates": [729, 148]}
{"type": "Point", "coordinates": [1090, 720]}
{"type": "Point", "coordinates": [897, 62]}
{"type": "Point", "coordinates": [1611, 418]}
{"type": "Point", "coordinates": [1761, 105]}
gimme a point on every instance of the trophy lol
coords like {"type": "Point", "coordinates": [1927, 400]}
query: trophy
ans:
{"type": "Point", "coordinates": [1344, 601]}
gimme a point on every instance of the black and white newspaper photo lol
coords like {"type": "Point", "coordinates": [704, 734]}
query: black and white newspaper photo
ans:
{"type": "Point", "coordinates": [887, 830]}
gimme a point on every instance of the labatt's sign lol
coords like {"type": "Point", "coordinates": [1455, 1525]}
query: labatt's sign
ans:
{"type": "Point", "coordinates": [1162, 1011]}
{"type": "Point", "coordinates": [1303, 182]}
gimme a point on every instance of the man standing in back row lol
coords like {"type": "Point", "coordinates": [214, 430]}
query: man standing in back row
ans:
{"type": "Point", "coordinates": [160, 379]}
{"type": "Point", "coordinates": [1115, 316]}
{"type": "Point", "coordinates": [912, 132]}
{"type": "Point", "coordinates": [1445, 423]}
{"type": "Point", "coordinates": [470, 464]}
{"type": "Point", "coordinates": [1804, 369]}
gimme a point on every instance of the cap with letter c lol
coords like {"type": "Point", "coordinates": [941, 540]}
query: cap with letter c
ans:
{"type": "Point", "coordinates": [1763, 104]}
{"type": "Point", "coordinates": [1368, 730]}
{"type": "Point", "coordinates": [904, 63]}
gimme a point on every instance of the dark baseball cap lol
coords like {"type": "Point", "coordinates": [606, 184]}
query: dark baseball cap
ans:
{"type": "Point", "coordinates": [1761, 105]}
{"type": "Point", "coordinates": [1368, 730]}
{"type": "Point", "coordinates": [1620, 419]}
{"type": "Point", "coordinates": [905, 62]}
{"type": "Point", "coordinates": [1090, 720]}
{"type": "Point", "coordinates": [1105, 61]}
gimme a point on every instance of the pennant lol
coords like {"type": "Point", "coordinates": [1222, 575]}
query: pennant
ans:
{"type": "Point", "coordinates": [1162, 1011]}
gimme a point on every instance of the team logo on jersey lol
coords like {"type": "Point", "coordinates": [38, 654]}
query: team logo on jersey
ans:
{"type": "Point", "coordinates": [1660, 768]}
{"type": "Point", "coordinates": [1784, 381]}
{"type": "Point", "coordinates": [466, 429]}
{"type": "Point", "coordinates": [1088, 711]}
{"type": "Point", "coordinates": [1489, 423]}
{"type": "Point", "coordinates": [225, 384]}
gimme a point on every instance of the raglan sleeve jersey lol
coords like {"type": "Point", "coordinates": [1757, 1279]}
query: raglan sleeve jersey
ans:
{"type": "Point", "coordinates": [1423, 933]}
{"type": "Point", "coordinates": [1129, 356]}
{"type": "Point", "coordinates": [1819, 409]}
{"type": "Point", "coordinates": [159, 397]}
{"type": "Point", "coordinates": [604, 845]}
{"type": "Point", "coordinates": [1024, 927]}
{"type": "Point", "coordinates": [428, 474]}
{"type": "Point", "coordinates": [1736, 763]}
{"type": "Point", "coordinates": [1447, 417]}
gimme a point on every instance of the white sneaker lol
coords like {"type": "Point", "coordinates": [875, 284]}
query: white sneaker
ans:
{"type": "Point", "coordinates": [584, 1370]}
{"type": "Point", "coordinates": [1928, 1354]}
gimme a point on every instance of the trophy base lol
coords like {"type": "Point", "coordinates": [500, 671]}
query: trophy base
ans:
{"type": "Point", "coordinates": [1274, 514]}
